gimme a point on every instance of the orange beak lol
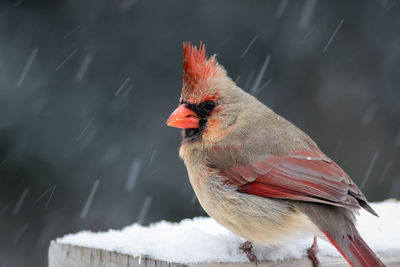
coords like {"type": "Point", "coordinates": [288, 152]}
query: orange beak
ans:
{"type": "Point", "coordinates": [184, 118]}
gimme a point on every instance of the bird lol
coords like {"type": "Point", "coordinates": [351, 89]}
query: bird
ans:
{"type": "Point", "coordinates": [256, 173]}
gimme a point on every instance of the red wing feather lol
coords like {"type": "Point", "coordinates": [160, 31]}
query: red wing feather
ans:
{"type": "Point", "coordinates": [304, 175]}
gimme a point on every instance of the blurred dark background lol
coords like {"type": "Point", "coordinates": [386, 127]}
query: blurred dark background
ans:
{"type": "Point", "coordinates": [86, 88]}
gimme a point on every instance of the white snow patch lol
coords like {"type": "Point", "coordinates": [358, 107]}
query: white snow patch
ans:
{"type": "Point", "coordinates": [204, 240]}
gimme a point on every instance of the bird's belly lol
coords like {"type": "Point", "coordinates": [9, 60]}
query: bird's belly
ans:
{"type": "Point", "coordinates": [256, 219]}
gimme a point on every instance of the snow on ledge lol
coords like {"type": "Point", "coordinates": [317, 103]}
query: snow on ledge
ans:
{"type": "Point", "coordinates": [204, 240]}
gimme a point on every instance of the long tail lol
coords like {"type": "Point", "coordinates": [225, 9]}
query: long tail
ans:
{"type": "Point", "coordinates": [355, 250]}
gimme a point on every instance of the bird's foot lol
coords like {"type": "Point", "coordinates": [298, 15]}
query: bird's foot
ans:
{"type": "Point", "coordinates": [246, 248]}
{"type": "Point", "coordinates": [312, 253]}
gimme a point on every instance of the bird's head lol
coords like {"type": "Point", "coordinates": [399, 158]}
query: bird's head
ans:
{"type": "Point", "coordinates": [209, 98]}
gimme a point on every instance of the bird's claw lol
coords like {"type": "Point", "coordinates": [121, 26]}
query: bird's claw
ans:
{"type": "Point", "coordinates": [246, 247]}
{"type": "Point", "coordinates": [312, 253]}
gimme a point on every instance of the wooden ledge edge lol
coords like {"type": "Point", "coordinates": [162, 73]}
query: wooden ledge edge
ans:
{"type": "Point", "coordinates": [66, 255]}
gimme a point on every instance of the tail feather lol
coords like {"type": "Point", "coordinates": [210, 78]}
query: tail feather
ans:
{"type": "Point", "coordinates": [355, 250]}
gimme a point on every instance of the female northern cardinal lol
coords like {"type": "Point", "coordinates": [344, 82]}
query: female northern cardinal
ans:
{"type": "Point", "coordinates": [256, 173]}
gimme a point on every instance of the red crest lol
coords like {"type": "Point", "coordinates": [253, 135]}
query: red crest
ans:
{"type": "Point", "coordinates": [197, 68]}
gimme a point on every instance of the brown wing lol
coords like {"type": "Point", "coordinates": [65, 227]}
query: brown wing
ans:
{"type": "Point", "coordinates": [307, 175]}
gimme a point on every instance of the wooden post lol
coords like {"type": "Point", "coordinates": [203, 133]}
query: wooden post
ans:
{"type": "Point", "coordinates": [64, 255]}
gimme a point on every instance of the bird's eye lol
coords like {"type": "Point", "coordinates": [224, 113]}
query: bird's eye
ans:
{"type": "Point", "coordinates": [209, 105]}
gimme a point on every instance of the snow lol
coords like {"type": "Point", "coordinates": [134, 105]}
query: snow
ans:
{"type": "Point", "coordinates": [204, 240]}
